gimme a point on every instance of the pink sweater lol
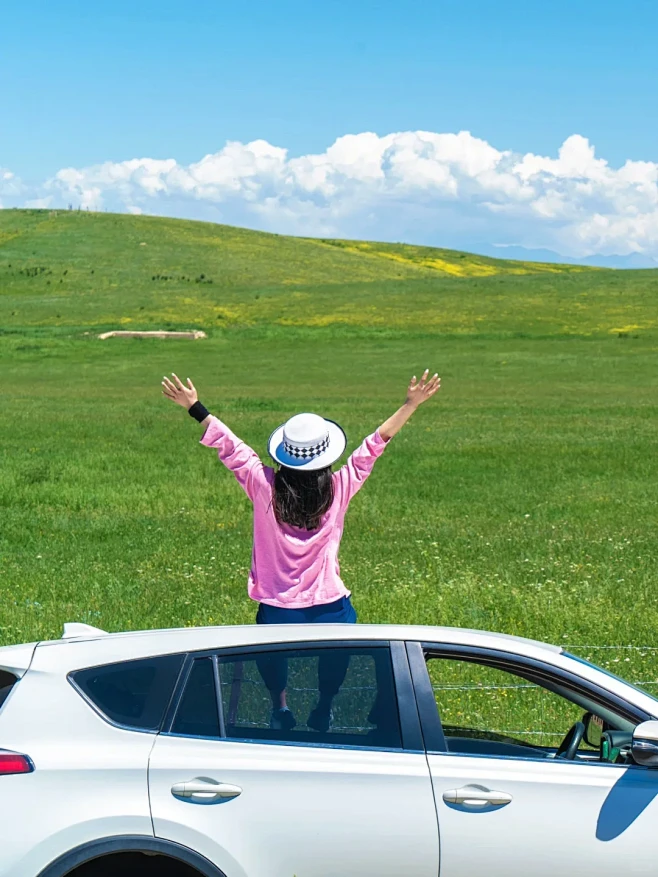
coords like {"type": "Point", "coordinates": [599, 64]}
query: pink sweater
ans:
{"type": "Point", "coordinates": [292, 568]}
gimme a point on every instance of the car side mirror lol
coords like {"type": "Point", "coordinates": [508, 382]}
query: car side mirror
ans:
{"type": "Point", "coordinates": [644, 747]}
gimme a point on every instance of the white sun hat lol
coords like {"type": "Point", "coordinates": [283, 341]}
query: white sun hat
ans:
{"type": "Point", "coordinates": [307, 441]}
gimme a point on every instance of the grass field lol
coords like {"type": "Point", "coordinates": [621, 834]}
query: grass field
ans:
{"type": "Point", "coordinates": [522, 498]}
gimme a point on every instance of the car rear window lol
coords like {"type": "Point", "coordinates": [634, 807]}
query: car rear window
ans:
{"type": "Point", "coordinates": [134, 694]}
{"type": "Point", "coordinates": [7, 682]}
{"type": "Point", "coordinates": [235, 702]}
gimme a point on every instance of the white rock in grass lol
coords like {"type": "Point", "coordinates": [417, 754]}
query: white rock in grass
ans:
{"type": "Point", "coordinates": [159, 333]}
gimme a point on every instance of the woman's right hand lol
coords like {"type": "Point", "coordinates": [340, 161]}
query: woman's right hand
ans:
{"type": "Point", "coordinates": [417, 393]}
{"type": "Point", "coordinates": [420, 391]}
{"type": "Point", "coordinates": [179, 393]}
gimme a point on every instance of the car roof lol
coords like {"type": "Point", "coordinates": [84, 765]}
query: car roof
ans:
{"type": "Point", "coordinates": [100, 647]}
{"type": "Point", "coordinates": [97, 648]}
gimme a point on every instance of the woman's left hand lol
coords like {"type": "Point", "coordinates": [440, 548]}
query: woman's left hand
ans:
{"type": "Point", "coordinates": [179, 393]}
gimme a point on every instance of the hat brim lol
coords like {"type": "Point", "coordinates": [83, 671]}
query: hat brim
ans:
{"type": "Point", "coordinates": [335, 450]}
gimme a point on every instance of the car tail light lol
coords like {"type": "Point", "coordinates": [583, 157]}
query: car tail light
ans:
{"type": "Point", "coordinates": [12, 762]}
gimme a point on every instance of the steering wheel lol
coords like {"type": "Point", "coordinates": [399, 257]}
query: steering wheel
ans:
{"type": "Point", "coordinates": [569, 746]}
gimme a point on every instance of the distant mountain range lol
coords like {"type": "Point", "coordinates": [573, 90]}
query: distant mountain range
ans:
{"type": "Point", "coordinates": [526, 254]}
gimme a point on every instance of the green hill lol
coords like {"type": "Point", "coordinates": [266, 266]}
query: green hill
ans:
{"type": "Point", "coordinates": [522, 498]}
{"type": "Point", "coordinates": [95, 271]}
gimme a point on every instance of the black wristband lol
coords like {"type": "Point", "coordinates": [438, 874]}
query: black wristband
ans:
{"type": "Point", "coordinates": [198, 412]}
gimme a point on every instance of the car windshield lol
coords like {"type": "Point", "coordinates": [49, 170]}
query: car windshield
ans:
{"type": "Point", "coordinates": [614, 676]}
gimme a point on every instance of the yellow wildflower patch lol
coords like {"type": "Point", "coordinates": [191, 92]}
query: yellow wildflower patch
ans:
{"type": "Point", "coordinates": [450, 262]}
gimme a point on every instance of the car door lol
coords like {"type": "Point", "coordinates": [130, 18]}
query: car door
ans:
{"type": "Point", "coordinates": [506, 805]}
{"type": "Point", "coordinates": [259, 801]}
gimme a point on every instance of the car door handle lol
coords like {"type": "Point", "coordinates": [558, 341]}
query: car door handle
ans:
{"type": "Point", "coordinates": [476, 796]}
{"type": "Point", "coordinates": [204, 791]}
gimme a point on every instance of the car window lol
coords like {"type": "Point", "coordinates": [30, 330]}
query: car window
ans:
{"type": "Point", "coordinates": [7, 682]}
{"type": "Point", "coordinates": [334, 695]}
{"type": "Point", "coordinates": [131, 693]}
{"type": "Point", "coordinates": [485, 710]}
{"type": "Point", "coordinates": [343, 695]}
{"type": "Point", "coordinates": [197, 714]}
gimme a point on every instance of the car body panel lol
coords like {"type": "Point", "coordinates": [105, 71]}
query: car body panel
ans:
{"type": "Point", "coordinates": [17, 659]}
{"type": "Point", "coordinates": [303, 810]}
{"type": "Point", "coordinates": [564, 818]}
{"type": "Point", "coordinates": [89, 781]}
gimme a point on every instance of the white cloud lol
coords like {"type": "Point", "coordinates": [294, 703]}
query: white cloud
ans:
{"type": "Point", "coordinates": [10, 184]}
{"type": "Point", "coordinates": [419, 186]}
{"type": "Point", "coordinates": [39, 203]}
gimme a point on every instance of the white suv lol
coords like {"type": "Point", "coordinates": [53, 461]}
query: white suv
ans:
{"type": "Point", "coordinates": [445, 751]}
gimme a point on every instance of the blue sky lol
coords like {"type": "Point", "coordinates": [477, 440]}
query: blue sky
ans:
{"type": "Point", "coordinates": [88, 83]}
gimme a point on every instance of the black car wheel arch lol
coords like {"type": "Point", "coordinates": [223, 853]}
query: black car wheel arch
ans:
{"type": "Point", "coordinates": [129, 844]}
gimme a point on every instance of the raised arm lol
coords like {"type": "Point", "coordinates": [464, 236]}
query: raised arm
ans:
{"type": "Point", "coordinates": [235, 454]}
{"type": "Point", "coordinates": [351, 476]}
{"type": "Point", "coordinates": [182, 395]}
{"type": "Point", "coordinates": [417, 393]}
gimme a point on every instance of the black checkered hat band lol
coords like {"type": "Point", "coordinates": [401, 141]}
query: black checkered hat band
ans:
{"type": "Point", "coordinates": [306, 453]}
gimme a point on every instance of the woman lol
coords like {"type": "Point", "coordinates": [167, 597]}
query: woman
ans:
{"type": "Point", "coordinates": [299, 510]}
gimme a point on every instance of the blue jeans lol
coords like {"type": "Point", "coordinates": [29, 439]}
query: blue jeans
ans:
{"type": "Point", "coordinates": [332, 664]}
{"type": "Point", "coordinates": [339, 612]}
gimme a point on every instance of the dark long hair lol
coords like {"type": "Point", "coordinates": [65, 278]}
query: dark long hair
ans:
{"type": "Point", "coordinates": [302, 497]}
